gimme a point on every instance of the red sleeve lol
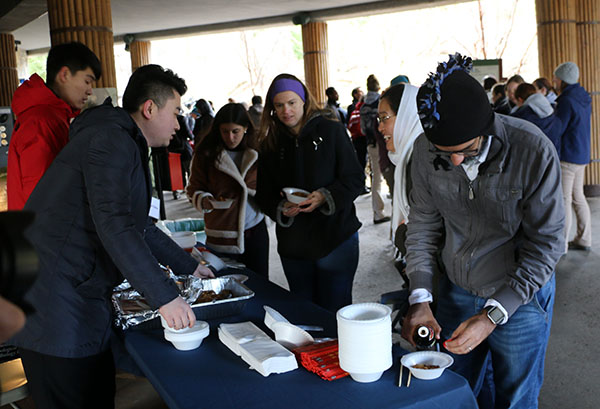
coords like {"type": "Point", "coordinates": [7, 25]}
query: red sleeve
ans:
{"type": "Point", "coordinates": [40, 142]}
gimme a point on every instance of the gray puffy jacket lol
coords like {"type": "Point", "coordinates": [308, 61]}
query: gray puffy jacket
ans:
{"type": "Point", "coordinates": [500, 235]}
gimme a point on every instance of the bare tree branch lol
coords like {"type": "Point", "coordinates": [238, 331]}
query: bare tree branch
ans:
{"type": "Point", "coordinates": [524, 57]}
{"type": "Point", "coordinates": [510, 27]}
{"type": "Point", "coordinates": [482, 29]}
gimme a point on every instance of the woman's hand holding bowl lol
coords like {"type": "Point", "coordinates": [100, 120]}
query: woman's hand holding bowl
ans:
{"type": "Point", "coordinates": [314, 200]}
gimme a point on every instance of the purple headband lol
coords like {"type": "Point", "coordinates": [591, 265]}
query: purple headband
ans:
{"type": "Point", "coordinates": [286, 84]}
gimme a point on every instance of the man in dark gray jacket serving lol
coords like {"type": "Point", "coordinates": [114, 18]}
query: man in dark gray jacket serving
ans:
{"type": "Point", "coordinates": [91, 230]}
{"type": "Point", "coordinates": [486, 209]}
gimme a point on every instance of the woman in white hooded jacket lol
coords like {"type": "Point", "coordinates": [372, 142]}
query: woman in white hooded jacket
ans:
{"type": "Point", "coordinates": [400, 125]}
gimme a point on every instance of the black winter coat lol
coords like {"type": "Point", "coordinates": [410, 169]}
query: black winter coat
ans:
{"type": "Point", "coordinates": [322, 156]}
{"type": "Point", "coordinates": [91, 230]}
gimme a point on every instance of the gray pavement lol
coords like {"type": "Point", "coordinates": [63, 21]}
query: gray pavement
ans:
{"type": "Point", "coordinates": [571, 367]}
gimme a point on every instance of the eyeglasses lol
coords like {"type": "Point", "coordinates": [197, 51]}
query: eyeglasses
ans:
{"type": "Point", "coordinates": [383, 119]}
{"type": "Point", "coordinates": [468, 152]}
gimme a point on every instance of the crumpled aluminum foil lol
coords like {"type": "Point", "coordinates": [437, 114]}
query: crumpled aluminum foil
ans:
{"type": "Point", "coordinates": [131, 309]}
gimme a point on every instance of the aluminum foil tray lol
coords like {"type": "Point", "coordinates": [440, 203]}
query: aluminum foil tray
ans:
{"type": "Point", "coordinates": [131, 310]}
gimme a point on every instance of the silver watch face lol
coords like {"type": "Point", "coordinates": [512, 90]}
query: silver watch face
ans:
{"type": "Point", "coordinates": [495, 314]}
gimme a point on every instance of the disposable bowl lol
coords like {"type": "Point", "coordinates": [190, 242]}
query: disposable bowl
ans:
{"type": "Point", "coordinates": [295, 195]}
{"type": "Point", "coordinates": [290, 336]}
{"type": "Point", "coordinates": [185, 239]}
{"type": "Point", "coordinates": [366, 377]}
{"type": "Point", "coordinates": [272, 316]}
{"type": "Point", "coordinates": [441, 359]}
{"type": "Point", "coordinates": [221, 204]}
{"type": "Point", "coordinates": [190, 338]}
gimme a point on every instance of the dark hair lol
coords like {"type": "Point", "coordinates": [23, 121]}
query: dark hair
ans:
{"type": "Point", "coordinates": [524, 91]}
{"type": "Point", "coordinates": [355, 91]}
{"type": "Point", "coordinates": [270, 125]}
{"type": "Point", "coordinates": [212, 144]}
{"type": "Point", "coordinates": [329, 91]}
{"type": "Point", "coordinates": [542, 83]}
{"type": "Point", "coordinates": [515, 78]}
{"type": "Point", "coordinates": [203, 107]}
{"type": "Point", "coordinates": [151, 82]}
{"type": "Point", "coordinates": [257, 99]}
{"type": "Point", "coordinates": [74, 56]}
{"type": "Point", "coordinates": [499, 89]}
{"type": "Point", "coordinates": [489, 82]}
{"type": "Point", "coordinates": [393, 96]}
{"type": "Point", "coordinates": [372, 83]}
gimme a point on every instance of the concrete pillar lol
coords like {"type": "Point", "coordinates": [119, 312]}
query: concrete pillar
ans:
{"type": "Point", "coordinates": [557, 33]}
{"type": "Point", "coordinates": [9, 78]}
{"type": "Point", "coordinates": [88, 22]}
{"type": "Point", "coordinates": [140, 54]}
{"type": "Point", "coordinates": [316, 66]}
{"type": "Point", "coordinates": [588, 49]}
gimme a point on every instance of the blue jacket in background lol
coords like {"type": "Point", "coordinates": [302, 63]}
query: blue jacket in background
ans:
{"type": "Point", "coordinates": [538, 110]}
{"type": "Point", "coordinates": [574, 109]}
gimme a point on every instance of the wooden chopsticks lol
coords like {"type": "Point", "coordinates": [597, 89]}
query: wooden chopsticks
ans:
{"type": "Point", "coordinates": [400, 377]}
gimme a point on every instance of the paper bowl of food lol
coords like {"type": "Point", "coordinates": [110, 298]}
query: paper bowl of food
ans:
{"type": "Point", "coordinates": [188, 338]}
{"type": "Point", "coordinates": [427, 364]}
{"type": "Point", "coordinates": [221, 203]}
{"type": "Point", "coordinates": [295, 195]}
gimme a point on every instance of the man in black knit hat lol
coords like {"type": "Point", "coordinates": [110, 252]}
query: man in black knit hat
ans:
{"type": "Point", "coordinates": [486, 209]}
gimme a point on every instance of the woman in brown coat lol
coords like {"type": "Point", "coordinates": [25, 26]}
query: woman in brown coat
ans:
{"type": "Point", "coordinates": [223, 185]}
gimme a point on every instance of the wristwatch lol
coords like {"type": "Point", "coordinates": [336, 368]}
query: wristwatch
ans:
{"type": "Point", "coordinates": [495, 314]}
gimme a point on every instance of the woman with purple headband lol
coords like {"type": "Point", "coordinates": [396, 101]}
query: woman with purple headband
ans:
{"type": "Point", "coordinates": [302, 147]}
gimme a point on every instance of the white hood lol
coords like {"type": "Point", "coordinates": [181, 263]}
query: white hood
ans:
{"type": "Point", "coordinates": [406, 129]}
{"type": "Point", "coordinates": [539, 104]}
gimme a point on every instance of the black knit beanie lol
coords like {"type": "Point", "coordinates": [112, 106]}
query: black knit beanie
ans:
{"type": "Point", "coordinates": [453, 106]}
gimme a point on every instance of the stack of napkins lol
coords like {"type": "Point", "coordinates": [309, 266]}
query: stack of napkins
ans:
{"type": "Point", "coordinates": [256, 348]}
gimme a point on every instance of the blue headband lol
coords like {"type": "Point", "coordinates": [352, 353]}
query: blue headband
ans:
{"type": "Point", "coordinates": [287, 84]}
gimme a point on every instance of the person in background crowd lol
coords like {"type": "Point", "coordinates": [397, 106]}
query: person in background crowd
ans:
{"type": "Point", "coordinates": [357, 96]}
{"type": "Point", "coordinates": [510, 88]}
{"type": "Point", "coordinates": [399, 79]}
{"type": "Point", "coordinates": [544, 87]}
{"type": "Point", "coordinates": [488, 82]}
{"type": "Point", "coordinates": [535, 108]}
{"type": "Point", "coordinates": [574, 109]}
{"type": "Point", "coordinates": [368, 126]}
{"type": "Point", "coordinates": [399, 124]}
{"type": "Point", "coordinates": [485, 208]}
{"type": "Point", "coordinates": [500, 103]}
{"type": "Point", "coordinates": [334, 105]}
{"type": "Point", "coordinates": [255, 111]}
{"type": "Point", "coordinates": [317, 239]}
{"type": "Point", "coordinates": [224, 168]}
{"type": "Point", "coordinates": [91, 230]}
{"type": "Point", "coordinates": [204, 116]}
{"type": "Point", "coordinates": [44, 112]}
{"type": "Point", "coordinates": [358, 138]}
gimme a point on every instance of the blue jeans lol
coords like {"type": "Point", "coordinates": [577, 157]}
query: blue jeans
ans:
{"type": "Point", "coordinates": [327, 281]}
{"type": "Point", "coordinates": [517, 348]}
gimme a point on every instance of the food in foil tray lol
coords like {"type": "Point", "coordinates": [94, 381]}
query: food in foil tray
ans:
{"type": "Point", "coordinates": [210, 298]}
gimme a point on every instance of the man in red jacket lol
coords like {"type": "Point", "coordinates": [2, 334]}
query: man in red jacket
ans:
{"type": "Point", "coordinates": [44, 112]}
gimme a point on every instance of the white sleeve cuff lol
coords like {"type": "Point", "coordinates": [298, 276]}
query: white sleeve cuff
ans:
{"type": "Point", "coordinates": [419, 295]}
{"type": "Point", "coordinates": [494, 303]}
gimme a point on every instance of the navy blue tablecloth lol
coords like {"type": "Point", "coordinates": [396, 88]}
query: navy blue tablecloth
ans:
{"type": "Point", "coordinates": [212, 376]}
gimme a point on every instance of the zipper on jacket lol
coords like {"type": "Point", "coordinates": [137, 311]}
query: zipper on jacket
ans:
{"type": "Point", "coordinates": [471, 192]}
